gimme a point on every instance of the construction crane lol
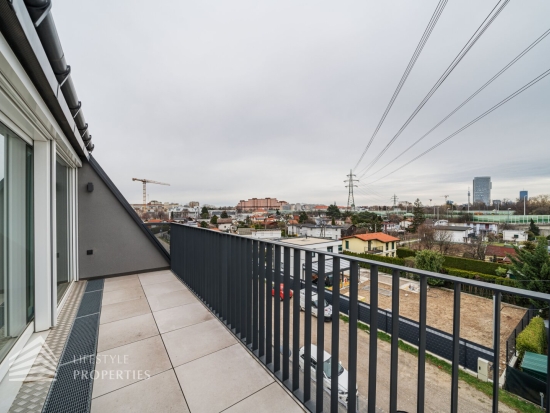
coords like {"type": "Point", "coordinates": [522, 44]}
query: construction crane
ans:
{"type": "Point", "coordinates": [145, 182]}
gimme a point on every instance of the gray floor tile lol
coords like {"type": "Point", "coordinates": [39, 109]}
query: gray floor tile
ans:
{"type": "Point", "coordinates": [124, 309]}
{"type": "Point", "coordinates": [121, 366]}
{"type": "Point", "coordinates": [129, 330]}
{"type": "Point", "coordinates": [173, 299]}
{"type": "Point", "coordinates": [182, 316]}
{"type": "Point", "coordinates": [222, 378]}
{"type": "Point", "coordinates": [270, 399]}
{"type": "Point", "coordinates": [125, 294]}
{"type": "Point", "coordinates": [156, 277]}
{"type": "Point", "coordinates": [121, 284]}
{"type": "Point", "coordinates": [160, 393]}
{"type": "Point", "coordinates": [190, 343]}
{"type": "Point", "coordinates": [163, 288]}
{"type": "Point", "coordinates": [122, 277]}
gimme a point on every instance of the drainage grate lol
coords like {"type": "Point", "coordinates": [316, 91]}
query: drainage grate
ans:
{"type": "Point", "coordinates": [72, 389]}
{"type": "Point", "coordinates": [90, 304]}
{"type": "Point", "coordinates": [79, 344]}
{"type": "Point", "coordinates": [94, 285]}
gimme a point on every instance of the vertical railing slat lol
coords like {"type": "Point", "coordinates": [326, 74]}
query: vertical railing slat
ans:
{"type": "Point", "coordinates": [307, 329]}
{"type": "Point", "coordinates": [456, 348]}
{"type": "Point", "coordinates": [421, 385]}
{"type": "Point", "coordinates": [352, 345]}
{"type": "Point", "coordinates": [394, 367]}
{"type": "Point", "coordinates": [296, 322]}
{"type": "Point", "coordinates": [496, 348]}
{"type": "Point", "coordinates": [277, 309]}
{"type": "Point", "coordinates": [320, 332]}
{"type": "Point", "coordinates": [373, 340]}
{"type": "Point", "coordinates": [335, 344]}
{"type": "Point", "coordinates": [286, 313]}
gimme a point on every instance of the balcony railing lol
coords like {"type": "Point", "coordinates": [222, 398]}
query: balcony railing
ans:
{"type": "Point", "coordinates": [375, 250]}
{"type": "Point", "coordinates": [234, 276]}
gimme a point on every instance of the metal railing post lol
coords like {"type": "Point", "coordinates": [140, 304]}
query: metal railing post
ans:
{"type": "Point", "coordinates": [286, 315]}
{"type": "Point", "coordinates": [421, 389]}
{"type": "Point", "coordinates": [394, 341]}
{"type": "Point", "coordinates": [373, 340]}
{"type": "Point", "coordinates": [296, 322]}
{"type": "Point", "coordinates": [496, 348]}
{"type": "Point", "coordinates": [320, 332]}
{"type": "Point", "coordinates": [307, 329]}
{"type": "Point", "coordinates": [269, 308]}
{"type": "Point", "coordinates": [277, 309]}
{"type": "Point", "coordinates": [335, 345]}
{"type": "Point", "coordinates": [456, 348]}
{"type": "Point", "coordinates": [352, 345]}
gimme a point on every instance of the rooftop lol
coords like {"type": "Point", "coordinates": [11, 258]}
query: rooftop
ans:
{"type": "Point", "coordinates": [378, 236]}
{"type": "Point", "coordinates": [303, 241]}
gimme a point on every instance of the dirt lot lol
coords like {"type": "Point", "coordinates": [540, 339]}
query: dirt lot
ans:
{"type": "Point", "coordinates": [476, 313]}
{"type": "Point", "coordinates": [438, 383]}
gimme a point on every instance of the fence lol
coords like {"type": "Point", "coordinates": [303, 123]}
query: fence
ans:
{"type": "Point", "coordinates": [511, 341]}
{"type": "Point", "coordinates": [437, 342]}
{"type": "Point", "coordinates": [233, 275]}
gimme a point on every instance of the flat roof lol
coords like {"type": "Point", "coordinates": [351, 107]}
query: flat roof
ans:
{"type": "Point", "coordinates": [307, 241]}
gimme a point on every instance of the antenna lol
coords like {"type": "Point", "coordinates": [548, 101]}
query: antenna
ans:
{"type": "Point", "coordinates": [350, 185]}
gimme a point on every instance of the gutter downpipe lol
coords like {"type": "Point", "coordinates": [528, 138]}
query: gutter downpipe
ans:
{"type": "Point", "coordinates": [40, 12]}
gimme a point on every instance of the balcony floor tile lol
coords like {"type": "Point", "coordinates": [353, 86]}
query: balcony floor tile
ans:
{"type": "Point", "coordinates": [156, 277]}
{"type": "Point", "coordinates": [121, 366]}
{"type": "Point", "coordinates": [269, 399]}
{"type": "Point", "coordinates": [124, 309]}
{"type": "Point", "coordinates": [163, 288]}
{"type": "Point", "coordinates": [129, 330]}
{"type": "Point", "coordinates": [120, 283]}
{"type": "Point", "coordinates": [125, 294]}
{"type": "Point", "coordinates": [160, 393]}
{"type": "Point", "coordinates": [221, 379]}
{"type": "Point", "coordinates": [182, 316]}
{"type": "Point", "coordinates": [173, 299]}
{"type": "Point", "coordinates": [193, 342]}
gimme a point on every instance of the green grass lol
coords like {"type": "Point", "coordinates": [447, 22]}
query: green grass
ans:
{"type": "Point", "coordinates": [508, 399]}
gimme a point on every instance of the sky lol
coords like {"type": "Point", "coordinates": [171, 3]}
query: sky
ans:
{"type": "Point", "coordinates": [229, 100]}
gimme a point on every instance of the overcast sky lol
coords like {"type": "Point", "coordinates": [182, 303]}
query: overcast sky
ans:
{"type": "Point", "coordinates": [228, 100]}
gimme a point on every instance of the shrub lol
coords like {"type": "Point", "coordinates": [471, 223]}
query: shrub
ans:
{"type": "Point", "coordinates": [459, 263]}
{"type": "Point", "coordinates": [405, 252]}
{"type": "Point", "coordinates": [381, 258]}
{"type": "Point", "coordinates": [430, 261]}
{"type": "Point", "coordinates": [532, 338]}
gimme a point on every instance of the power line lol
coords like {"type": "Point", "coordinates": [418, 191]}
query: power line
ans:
{"type": "Point", "coordinates": [523, 53]}
{"type": "Point", "coordinates": [502, 102]}
{"type": "Point", "coordinates": [423, 40]}
{"type": "Point", "coordinates": [469, 44]}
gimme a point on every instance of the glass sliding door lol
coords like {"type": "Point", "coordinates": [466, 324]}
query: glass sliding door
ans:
{"type": "Point", "coordinates": [16, 238]}
{"type": "Point", "coordinates": [62, 225]}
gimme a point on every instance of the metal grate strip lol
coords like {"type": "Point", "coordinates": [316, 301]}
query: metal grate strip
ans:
{"type": "Point", "coordinates": [94, 285]}
{"type": "Point", "coordinates": [91, 303]}
{"type": "Point", "coordinates": [79, 345]}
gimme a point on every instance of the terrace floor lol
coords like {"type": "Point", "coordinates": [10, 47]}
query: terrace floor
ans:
{"type": "Point", "coordinates": [160, 349]}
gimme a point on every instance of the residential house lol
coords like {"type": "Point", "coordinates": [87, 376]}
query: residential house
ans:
{"type": "Point", "coordinates": [497, 253]}
{"type": "Point", "coordinates": [225, 224]}
{"type": "Point", "coordinates": [320, 244]}
{"type": "Point", "coordinates": [260, 233]}
{"type": "Point", "coordinates": [318, 231]}
{"type": "Point", "coordinates": [373, 243]}
{"type": "Point", "coordinates": [454, 233]}
{"type": "Point", "coordinates": [514, 235]}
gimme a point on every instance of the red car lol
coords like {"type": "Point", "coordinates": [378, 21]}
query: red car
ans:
{"type": "Point", "coordinates": [281, 292]}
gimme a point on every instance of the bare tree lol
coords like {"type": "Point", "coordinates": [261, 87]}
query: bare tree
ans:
{"type": "Point", "coordinates": [426, 234]}
{"type": "Point", "coordinates": [443, 239]}
{"type": "Point", "coordinates": [476, 249]}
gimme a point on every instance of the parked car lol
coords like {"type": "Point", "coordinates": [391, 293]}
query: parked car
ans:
{"type": "Point", "coordinates": [281, 292]}
{"type": "Point", "coordinates": [327, 373]}
{"type": "Point", "coordinates": [315, 305]}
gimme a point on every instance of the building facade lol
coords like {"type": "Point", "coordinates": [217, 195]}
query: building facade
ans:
{"type": "Point", "coordinates": [482, 189]}
{"type": "Point", "coordinates": [376, 243]}
{"type": "Point", "coordinates": [318, 231]}
{"type": "Point", "coordinates": [256, 203]}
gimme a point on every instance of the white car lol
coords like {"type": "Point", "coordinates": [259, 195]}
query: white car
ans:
{"type": "Point", "coordinates": [315, 305]}
{"type": "Point", "coordinates": [327, 371]}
